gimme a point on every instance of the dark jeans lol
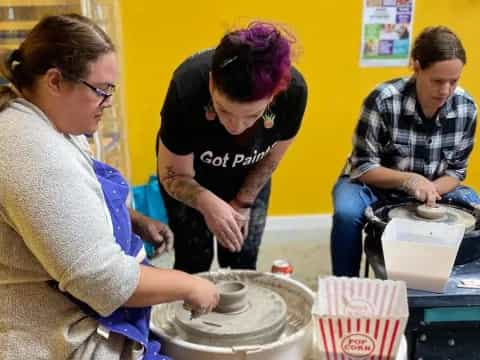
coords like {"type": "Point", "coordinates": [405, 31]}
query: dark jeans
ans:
{"type": "Point", "coordinates": [194, 242]}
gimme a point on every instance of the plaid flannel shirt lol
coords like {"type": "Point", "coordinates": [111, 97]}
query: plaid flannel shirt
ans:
{"type": "Point", "coordinates": [391, 133]}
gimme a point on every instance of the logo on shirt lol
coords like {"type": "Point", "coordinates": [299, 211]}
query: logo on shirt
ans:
{"type": "Point", "coordinates": [234, 160]}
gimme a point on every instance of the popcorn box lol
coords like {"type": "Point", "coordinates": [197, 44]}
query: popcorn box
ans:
{"type": "Point", "coordinates": [421, 253]}
{"type": "Point", "coordinates": [359, 318]}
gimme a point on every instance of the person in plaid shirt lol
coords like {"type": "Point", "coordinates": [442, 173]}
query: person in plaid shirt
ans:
{"type": "Point", "coordinates": [413, 138]}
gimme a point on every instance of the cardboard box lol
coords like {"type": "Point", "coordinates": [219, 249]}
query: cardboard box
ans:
{"type": "Point", "coordinates": [359, 318]}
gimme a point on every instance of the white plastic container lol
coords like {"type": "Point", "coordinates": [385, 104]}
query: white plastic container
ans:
{"type": "Point", "coordinates": [421, 253]}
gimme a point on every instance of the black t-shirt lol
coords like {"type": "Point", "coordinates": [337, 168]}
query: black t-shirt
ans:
{"type": "Point", "coordinates": [222, 160]}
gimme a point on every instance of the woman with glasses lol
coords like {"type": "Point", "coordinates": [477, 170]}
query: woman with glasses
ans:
{"type": "Point", "coordinates": [229, 116]}
{"type": "Point", "coordinates": [74, 282]}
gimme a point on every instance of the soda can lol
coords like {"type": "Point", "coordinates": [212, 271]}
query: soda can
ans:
{"type": "Point", "coordinates": [282, 267]}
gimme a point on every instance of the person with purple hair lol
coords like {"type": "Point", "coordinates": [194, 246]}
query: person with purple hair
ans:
{"type": "Point", "coordinates": [228, 118]}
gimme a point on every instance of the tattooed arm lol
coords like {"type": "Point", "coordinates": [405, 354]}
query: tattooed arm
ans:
{"type": "Point", "coordinates": [260, 174]}
{"type": "Point", "coordinates": [176, 174]}
{"type": "Point", "coordinates": [255, 181]}
{"type": "Point", "coordinates": [181, 185]}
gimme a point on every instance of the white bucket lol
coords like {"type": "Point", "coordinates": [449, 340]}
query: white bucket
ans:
{"type": "Point", "coordinates": [421, 253]}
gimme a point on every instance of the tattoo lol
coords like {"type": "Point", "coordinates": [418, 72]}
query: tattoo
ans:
{"type": "Point", "coordinates": [182, 187]}
{"type": "Point", "coordinates": [170, 172]}
{"type": "Point", "coordinates": [257, 179]}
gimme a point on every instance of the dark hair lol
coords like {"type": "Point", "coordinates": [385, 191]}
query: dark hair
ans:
{"type": "Point", "coordinates": [68, 42]}
{"type": "Point", "coordinates": [252, 63]}
{"type": "Point", "coordinates": [437, 43]}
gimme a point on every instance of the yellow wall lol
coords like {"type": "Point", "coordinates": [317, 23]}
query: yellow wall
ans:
{"type": "Point", "coordinates": [160, 34]}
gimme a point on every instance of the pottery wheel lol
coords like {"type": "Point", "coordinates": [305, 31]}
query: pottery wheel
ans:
{"type": "Point", "coordinates": [262, 320]}
{"type": "Point", "coordinates": [452, 216]}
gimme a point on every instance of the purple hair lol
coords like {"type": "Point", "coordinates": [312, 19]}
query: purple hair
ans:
{"type": "Point", "coordinates": [252, 63]}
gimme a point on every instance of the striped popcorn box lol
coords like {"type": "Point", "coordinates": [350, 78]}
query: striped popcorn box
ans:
{"type": "Point", "coordinates": [359, 318]}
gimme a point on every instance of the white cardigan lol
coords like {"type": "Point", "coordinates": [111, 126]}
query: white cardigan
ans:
{"type": "Point", "coordinates": [54, 224]}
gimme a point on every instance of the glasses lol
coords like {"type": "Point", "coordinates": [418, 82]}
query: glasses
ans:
{"type": "Point", "coordinates": [100, 93]}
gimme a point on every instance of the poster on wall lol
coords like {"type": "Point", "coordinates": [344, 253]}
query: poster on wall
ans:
{"type": "Point", "coordinates": [386, 32]}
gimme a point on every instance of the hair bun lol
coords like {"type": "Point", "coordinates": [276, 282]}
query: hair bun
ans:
{"type": "Point", "coordinates": [16, 56]}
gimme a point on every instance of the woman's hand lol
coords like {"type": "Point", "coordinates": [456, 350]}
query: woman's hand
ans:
{"type": "Point", "coordinates": [203, 296]}
{"type": "Point", "coordinates": [222, 220]}
{"type": "Point", "coordinates": [423, 189]}
{"type": "Point", "coordinates": [152, 231]}
{"type": "Point", "coordinates": [245, 212]}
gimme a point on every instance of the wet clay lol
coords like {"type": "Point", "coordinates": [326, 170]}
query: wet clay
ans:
{"type": "Point", "coordinates": [247, 314]}
{"type": "Point", "coordinates": [294, 342]}
{"type": "Point", "coordinates": [448, 215]}
{"type": "Point", "coordinates": [431, 212]}
{"type": "Point", "coordinates": [233, 297]}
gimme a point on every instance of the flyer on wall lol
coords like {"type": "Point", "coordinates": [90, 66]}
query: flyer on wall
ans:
{"type": "Point", "coordinates": [386, 32]}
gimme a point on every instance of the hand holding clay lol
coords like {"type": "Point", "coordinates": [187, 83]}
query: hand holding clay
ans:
{"type": "Point", "coordinates": [222, 220]}
{"type": "Point", "coordinates": [203, 297]}
{"type": "Point", "coordinates": [423, 189]}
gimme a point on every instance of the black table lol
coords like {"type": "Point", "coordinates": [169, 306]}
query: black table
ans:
{"type": "Point", "coordinates": [447, 325]}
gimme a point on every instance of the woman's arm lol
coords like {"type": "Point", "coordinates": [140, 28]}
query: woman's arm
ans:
{"type": "Point", "coordinates": [261, 173]}
{"type": "Point", "coordinates": [446, 184]}
{"type": "Point", "coordinates": [156, 286]}
{"type": "Point", "coordinates": [412, 183]}
{"type": "Point", "coordinates": [176, 174]}
{"type": "Point", "coordinates": [385, 178]}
